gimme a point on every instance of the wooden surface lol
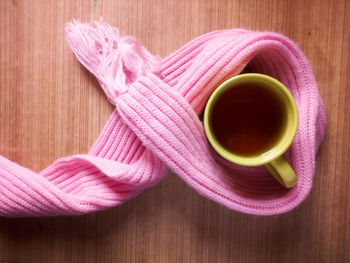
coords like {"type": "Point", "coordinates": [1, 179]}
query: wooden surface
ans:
{"type": "Point", "coordinates": [51, 107]}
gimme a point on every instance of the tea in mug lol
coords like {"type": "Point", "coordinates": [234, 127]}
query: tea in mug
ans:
{"type": "Point", "coordinates": [248, 119]}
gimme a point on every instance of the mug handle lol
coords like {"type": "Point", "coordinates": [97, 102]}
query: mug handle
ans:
{"type": "Point", "coordinates": [282, 172]}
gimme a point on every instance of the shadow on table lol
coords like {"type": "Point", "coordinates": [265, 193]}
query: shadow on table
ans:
{"type": "Point", "coordinates": [171, 212]}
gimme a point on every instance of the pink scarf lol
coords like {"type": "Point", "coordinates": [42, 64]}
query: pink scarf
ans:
{"type": "Point", "coordinates": [156, 127]}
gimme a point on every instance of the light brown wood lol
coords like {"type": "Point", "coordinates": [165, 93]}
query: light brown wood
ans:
{"type": "Point", "coordinates": [51, 107]}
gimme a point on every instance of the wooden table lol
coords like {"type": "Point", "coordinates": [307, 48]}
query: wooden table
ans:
{"type": "Point", "coordinates": [46, 97]}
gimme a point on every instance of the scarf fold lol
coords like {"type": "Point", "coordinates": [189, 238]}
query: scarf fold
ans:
{"type": "Point", "coordinates": [155, 126]}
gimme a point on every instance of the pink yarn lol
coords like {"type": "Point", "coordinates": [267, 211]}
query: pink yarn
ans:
{"type": "Point", "coordinates": [156, 126]}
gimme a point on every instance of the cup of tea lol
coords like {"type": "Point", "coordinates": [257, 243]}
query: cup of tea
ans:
{"type": "Point", "coordinates": [251, 120]}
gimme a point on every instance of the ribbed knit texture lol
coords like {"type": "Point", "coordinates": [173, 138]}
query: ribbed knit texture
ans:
{"type": "Point", "coordinates": [156, 127]}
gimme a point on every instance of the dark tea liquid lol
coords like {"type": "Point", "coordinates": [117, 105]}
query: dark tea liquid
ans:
{"type": "Point", "coordinates": [248, 119]}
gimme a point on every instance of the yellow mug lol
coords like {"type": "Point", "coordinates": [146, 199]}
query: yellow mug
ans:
{"type": "Point", "coordinates": [220, 123]}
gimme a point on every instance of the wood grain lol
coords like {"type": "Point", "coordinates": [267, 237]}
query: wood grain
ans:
{"type": "Point", "coordinates": [51, 107]}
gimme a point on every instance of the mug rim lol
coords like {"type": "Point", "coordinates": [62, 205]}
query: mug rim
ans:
{"type": "Point", "coordinates": [283, 143]}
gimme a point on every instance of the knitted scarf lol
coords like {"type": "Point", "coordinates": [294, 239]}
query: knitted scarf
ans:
{"type": "Point", "coordinates": [155, 126]}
